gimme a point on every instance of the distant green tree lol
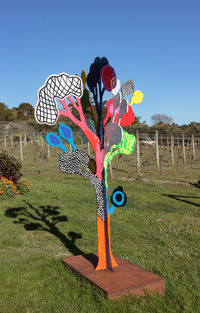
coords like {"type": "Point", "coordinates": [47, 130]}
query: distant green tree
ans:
{"type": "Point", "coordinates": [165, 128]}
{"type": "Point", "coordinates": [6, 114]}
{"type": "Point", "coordinates": [137, 125]}
{"type": "Point", "coordinates": [3, 106]}
{"type": "Point", "coordinates": [192, 128]}
{"type": "Point", "coordinates": [25, 111]}
{"type": "Point", "coordinates": [3, 111]}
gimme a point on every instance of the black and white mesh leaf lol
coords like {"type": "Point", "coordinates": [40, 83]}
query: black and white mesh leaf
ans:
{"type": "Point", "coordinates": [127, 88]}
{"type": "Point", "coordinates": [56, 86]}
{"type": "Point", "coordinates": [77, 162]}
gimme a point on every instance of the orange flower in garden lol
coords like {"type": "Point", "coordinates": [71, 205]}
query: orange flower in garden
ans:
{"type": "Point", "coordinates": [9, 189]}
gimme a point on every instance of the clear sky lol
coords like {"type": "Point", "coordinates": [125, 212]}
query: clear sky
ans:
{"type": "Point", "coordinates": [154, 42]}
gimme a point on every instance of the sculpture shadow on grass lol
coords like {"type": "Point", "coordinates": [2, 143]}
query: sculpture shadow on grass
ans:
{"type": "Point", "coordinates": [45, 218]}
{"type": "Point", "coordinates": [183, 198]}
{"type": "Point", "coordinates": [195, 185]}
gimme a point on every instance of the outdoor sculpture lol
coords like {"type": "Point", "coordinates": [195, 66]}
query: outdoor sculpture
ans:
{"type": "Point", "coordinates": [109, 139]}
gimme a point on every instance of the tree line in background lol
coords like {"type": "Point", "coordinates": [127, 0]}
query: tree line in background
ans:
{"type": "Point", "coordinates": [161, 122]}
{"type": "Point", "coordinates": [24, 111]}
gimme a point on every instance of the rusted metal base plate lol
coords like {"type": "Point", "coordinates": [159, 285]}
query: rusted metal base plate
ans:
{"type": "Point", "coordinates": [126, 279]}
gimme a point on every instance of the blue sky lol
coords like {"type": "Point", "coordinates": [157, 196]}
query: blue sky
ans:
{"type": "Point", "coordinates": [154, 42]}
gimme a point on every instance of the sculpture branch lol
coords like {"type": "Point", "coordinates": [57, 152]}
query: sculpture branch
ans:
{"type": "Point", "coordinates": [92, 137]}
{"type": "Point", "coordinates": [73, 103]}
{"type": "Point", "coordinates": [68, 113]}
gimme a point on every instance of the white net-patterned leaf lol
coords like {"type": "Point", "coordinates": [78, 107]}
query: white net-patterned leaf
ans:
{"type": "Point", "coordinates": [56, 86]}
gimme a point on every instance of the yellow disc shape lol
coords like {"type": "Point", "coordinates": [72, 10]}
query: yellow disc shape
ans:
{"type": "Point", "coordinates": [137, 97]}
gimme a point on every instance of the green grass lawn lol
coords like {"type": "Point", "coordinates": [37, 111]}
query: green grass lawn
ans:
{"type": "Point", "coordinates": [158, 229]}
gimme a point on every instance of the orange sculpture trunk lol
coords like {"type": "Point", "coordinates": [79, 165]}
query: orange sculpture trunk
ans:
{"type": "Point", "coordinates": [105, 256]}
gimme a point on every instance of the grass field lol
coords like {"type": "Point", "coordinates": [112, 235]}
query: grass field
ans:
{"type": "Point", "coordinates": [158, 229]}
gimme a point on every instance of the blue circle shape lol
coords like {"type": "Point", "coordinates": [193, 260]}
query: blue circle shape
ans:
{"type": "Point", "coordinates": [118, 203]}
{"type": "Point", "coordinates": [118, 197]}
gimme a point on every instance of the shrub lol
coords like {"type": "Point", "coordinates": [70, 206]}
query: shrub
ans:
{"type": "Point", "coordinates": [10, 167]}
{"type": "Point", "coordinates": [23, 186]}
{"type": "Point", "coordinates": [7, 189]}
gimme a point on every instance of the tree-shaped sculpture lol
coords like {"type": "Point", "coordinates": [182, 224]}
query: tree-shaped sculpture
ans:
{"type": "Point", "coordinates": [109, 139]}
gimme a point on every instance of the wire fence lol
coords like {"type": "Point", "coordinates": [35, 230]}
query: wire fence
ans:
{"type": "Point", "coordinates": [155, 151]}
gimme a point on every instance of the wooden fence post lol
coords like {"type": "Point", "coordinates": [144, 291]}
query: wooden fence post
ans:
{"type": "Point", "coordinates": [161, 141]}
{"type": "Point", "coordinates": [178, 141]}
{"type": "Point", "coordinates": [82, 148]}
{"type": "Point", "coordinates": [11, 139]}
{"type": "Point", "coordinates": [48, 151]}
{"type": "Point", "coordinates": [5, 144]}
{"type": "Point", "coordinates": [138, 151]}
{"type": "Point", "coordinates": [25, 140]}
{"type": "Point", "coordinates": [172, 150]}
{"type": "Point", "coordinates": [147, 137]}
{"type": "Point", "coordinates": [183, 144]}
{"type": "Point", "coordinates": [88, 144]}
{"type": "Point", "coordinates": [41, 140]}
{"type": "Point", "coordinates": [193, 147]}
{"type": "Point", "coordinates": [157, 150]}
{"type": "Point", "coordinates": [21, 148]}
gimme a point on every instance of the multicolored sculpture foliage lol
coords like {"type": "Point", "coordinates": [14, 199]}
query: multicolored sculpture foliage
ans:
{"type": "Point", "coordinates": [109, 139]}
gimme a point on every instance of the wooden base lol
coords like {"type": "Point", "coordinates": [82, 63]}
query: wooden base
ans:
{"type": "Point", "coordinates": [126, 279]}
